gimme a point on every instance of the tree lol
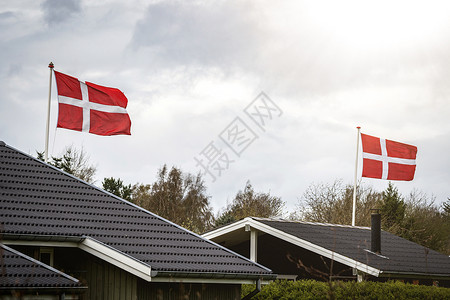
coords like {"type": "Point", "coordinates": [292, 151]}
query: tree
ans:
{"type": "Point", "coordinates": [116, 187]}
{"type": "Point", "coordinates": [424, 224]}
{"type": "Point", "coordinates": [446, 216]}
{"type": "Point", "coordinates": [414, 217]}
{"type": "Point", "coordinates": [446, 208]}
{"type": "Point", "coordinates": [73, 161]}
{"type": "Point", "coordinates": [177, 196]}
{"type": "Point", "coordinates": [248, 203]}
{"type": "Point", "coordinates": [224, 218]}
{"type": "Point", "coordinates": [333, 203]}
{"type": "Point", "coordinates": [392, 209]}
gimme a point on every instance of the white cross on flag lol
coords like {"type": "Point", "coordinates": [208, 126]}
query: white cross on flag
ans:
{"type": "Point", "coordinates": [92, 108]}
{"type": "Point", "coordinates": [386, 159]}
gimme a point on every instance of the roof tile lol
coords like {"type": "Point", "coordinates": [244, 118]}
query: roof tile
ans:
{"type": "Point", "coordinates": [38, 199]}
{"type": "Point", "coordinates": [19, 270]}
{"type": "Point", "coordinates": [397, 254]}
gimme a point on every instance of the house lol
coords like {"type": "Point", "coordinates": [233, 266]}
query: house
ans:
{"type": "Point", "coordinates": [21, 275]}
{"type": "Point", "coordinates": [295, 249]}
{"type": "Point", "coordinates": [107, 246]}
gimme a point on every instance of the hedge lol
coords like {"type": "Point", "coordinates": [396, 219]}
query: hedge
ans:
{"type": "Point", "coordinates": [310, 289]}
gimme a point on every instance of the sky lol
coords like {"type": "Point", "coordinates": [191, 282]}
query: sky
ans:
{"type": "Point", "coordinates": [194, 73]}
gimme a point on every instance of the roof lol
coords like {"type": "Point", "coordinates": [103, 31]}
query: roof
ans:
{"type": "Point", "coordinates": [20, 271]}
{"type": "Point", "coordinates": [39, 202]}
{"type": "Point", "coordinates": [349, 245]}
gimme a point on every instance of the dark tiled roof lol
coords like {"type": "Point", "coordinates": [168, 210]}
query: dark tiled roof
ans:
{"type": "Point", "coordinates": [397, 254]}
{"type": "Point", "coordinates": [38, 199]}
{"type": "Point", "coordinates": [20, 271]}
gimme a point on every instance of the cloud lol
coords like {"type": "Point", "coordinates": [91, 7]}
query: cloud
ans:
{"type": "Point", "coordinates": [298, 48]}
{"type": "Point", "coordinates": [6, 16]}
{"type": "Point", "coordinates": [189, 68]}
{"type": "Point", "coordinates": [56, 11]}
{"type": "Point", "coordinates": [202, 33]}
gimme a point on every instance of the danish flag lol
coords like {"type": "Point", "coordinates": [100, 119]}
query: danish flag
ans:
{"type": "Point", "coordinates": [92, 108]}
{"type": "Point", "coordinates": [386, 159]}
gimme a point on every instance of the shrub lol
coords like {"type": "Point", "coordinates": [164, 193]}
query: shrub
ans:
{"type": "Point", "coordinates": [311, 289]}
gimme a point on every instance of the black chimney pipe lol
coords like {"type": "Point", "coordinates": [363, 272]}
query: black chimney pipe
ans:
{"type": "Point", "coordinates": [375, 220]}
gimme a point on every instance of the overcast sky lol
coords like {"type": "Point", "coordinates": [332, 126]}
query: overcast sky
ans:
{"type": "Point", "coordinates": [192, 69]}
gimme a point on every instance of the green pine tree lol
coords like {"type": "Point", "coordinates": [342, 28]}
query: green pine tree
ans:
{"type": "Point", "coordinates": [392, 208]}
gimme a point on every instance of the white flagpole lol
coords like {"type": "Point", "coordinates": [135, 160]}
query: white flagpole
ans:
{"type": "Point", "coordinates": [48, 112]}
{"type": "Point", "coordinates": [356, 174]}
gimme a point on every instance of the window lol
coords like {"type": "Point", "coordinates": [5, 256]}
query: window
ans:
{"type": "Point", "coordinates": [46, 255]}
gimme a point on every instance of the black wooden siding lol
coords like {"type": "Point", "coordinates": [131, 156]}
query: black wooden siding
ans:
{"type": "Point", "coordinates": [108, 282]}
{"type": "Point", "coordinates": [187, 291]}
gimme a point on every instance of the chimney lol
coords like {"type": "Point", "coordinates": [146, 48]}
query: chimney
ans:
{"type": "Point", "coordinates": [375, 240]}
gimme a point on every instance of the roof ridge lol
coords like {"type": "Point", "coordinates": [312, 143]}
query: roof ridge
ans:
{"type": "Point", "coordinates": [308, 222]}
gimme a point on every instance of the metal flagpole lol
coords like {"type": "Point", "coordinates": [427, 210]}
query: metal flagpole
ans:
{"type": "Point", "coordinates": [356, 174]}
{"type": "Point", "coordinates": [48, 112]}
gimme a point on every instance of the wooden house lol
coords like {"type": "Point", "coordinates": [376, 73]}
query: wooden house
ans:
{"type": "Point", "coordinates": [296, 250]}
{"type": "Point", "coordinates": [108, 248]}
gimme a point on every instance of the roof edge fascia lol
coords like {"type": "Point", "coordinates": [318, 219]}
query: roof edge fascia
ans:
{"type": "Point", "coordinates": [227, 228]}
{"type": "Point", "coordinates": [209, 280]}
{"type": "Point", "coordinates": [41, 243]}
{"type": "Point", "coordinates": [40, 289]}
{"type": "Point", "coordinates": [224, 278]}
{"type": "Point", "coordinates": [117, 258]}
{"type": "Point", "coordinates": [213, 276]}
{"type": "Point", "coordinates": [296, 241]}
{"type": "Point", "coordinates": [29, 239]}
{"type": "Point", "coordinates": [414, 275]}
{"type": "Point", "coordinates": [92, 246]}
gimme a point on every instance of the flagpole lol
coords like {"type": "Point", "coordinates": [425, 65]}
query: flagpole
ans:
{"type": "Point", "coordinates": [48, 112]}
{"type": "Point", "coordinates": [356, 175]}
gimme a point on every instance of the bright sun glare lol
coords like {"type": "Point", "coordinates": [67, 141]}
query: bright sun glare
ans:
{"type": "Point", "coordinates": [373, 23]}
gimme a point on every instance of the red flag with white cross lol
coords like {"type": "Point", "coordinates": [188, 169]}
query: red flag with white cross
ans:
{"type": "Point", "coordinates": [386, 159]}
{"type": "Point", "coordinates": [88, 107]}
